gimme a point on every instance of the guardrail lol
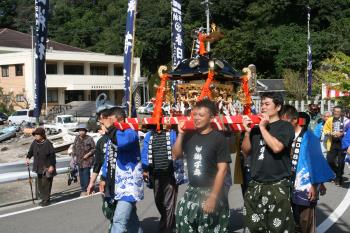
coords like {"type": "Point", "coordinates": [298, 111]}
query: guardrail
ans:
{"type": "Point", "coordinates": [16, 171]}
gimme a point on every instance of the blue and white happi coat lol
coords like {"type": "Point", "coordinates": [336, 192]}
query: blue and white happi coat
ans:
{"type": "Point", "coordinates": [178, 165]}
{"type": "Point", "coordinates": [128, 168]}
{"type": "Point", "coordinates": [312, 168]}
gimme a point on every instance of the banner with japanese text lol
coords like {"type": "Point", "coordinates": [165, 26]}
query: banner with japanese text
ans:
{"type": "Point", "coordinates": [41, 18]}
{"type": "Point", "coordinates": [177, 32]}
{"type": "Point", "coordinates": [128, 48]}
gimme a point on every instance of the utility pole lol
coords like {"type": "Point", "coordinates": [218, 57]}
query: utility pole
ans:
{"type": "Point", "coordinates": [207, 3]}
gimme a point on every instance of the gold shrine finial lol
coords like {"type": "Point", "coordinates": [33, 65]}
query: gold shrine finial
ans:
{"type": "Point", "coordinates": [162, 69]}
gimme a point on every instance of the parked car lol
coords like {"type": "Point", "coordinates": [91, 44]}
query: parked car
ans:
{"type": "Point", "coordinates": [22, 116]}
{"type": "Point", "coordinates": [61, 122]}
{"type": "Point", "coordinates": [3, 118]}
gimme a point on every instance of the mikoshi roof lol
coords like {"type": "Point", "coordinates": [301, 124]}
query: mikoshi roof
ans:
{"type": "Point", "coordinates": [198, 68]}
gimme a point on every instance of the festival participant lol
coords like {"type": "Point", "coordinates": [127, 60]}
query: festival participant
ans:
{"type": "Point", "coordinates": [44, 164]}
{"type": "Point", "coordinates": [334, 129]}
{"type": "Point", "coordinates": [163, 174]}
{"type": "Point", "coordinates": [203, 207]}
{"type": "Point", "coordinates": [99, 158]}
{"type": "Point", "coordinates": [122, 172]}
{"type": "Point", "coordinates": [83, 151]}
{"type": "Point", "coordinates": [314, 113]}
{"type": "Point", "coordinates": [309, 170]}
{"type": "Point", "coordinates": [346, 145]}
{"type": "Point", "coordinates": [318, 131]}
{"type": "Point", "coordinates": [267, 206]}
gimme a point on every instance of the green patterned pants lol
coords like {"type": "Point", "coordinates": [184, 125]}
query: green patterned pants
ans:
{"type": "Point", "coordinates": [267, 208]}
{"type": "Point", "coordinates": [191, 218]}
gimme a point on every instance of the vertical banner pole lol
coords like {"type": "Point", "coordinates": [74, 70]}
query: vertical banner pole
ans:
{"type": "Point", "coordinates": [176, 37]}
{"type": "Point", "coordinates": [128, 54]}
{"type": "Point", "coordinates": [41, 18]}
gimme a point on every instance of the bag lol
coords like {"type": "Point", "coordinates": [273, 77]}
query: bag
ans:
{"type": "Point", "coordinates": [108, 208]}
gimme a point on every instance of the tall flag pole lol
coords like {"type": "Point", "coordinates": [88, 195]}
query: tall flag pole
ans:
{"type": "Point", "coordinates": [177, 32]}
{"type": "Point", "coordinates": [309, 56]}
{"type": "Point", "coordinates": [41, 17]}
{"type": "Point", "coordinates": [128, 53]}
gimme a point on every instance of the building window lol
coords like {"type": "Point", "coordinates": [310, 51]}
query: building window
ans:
{"type": "Point", "coordinates": [73, 69]}
{"type": "Point", "coordinates": [4, 71]}
{"type": "Point", "coordinates": [51, 68]}
{"type": "Point", "coordinates": [118, 70]}
{"type": "Point", "coordinates": [19, 98]}
{"type": "Point", "coordinates": [52, 96]}
{"type": "Point", "coordinates": [19, 70]}
{"type": "Point", "coordinates": [96, 69]}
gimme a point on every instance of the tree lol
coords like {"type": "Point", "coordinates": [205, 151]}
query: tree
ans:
{"type": "Point", "coordinates": [269, 34]}
{"type": "Point", "coordinates": [295, 84]}
{"type": "Point", "coordinates": [7, 13]}
{"type": "Point", "coordinates": [335, 72]}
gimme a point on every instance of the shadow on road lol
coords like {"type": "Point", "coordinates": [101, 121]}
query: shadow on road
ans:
{"type": "Point", "coordinates": [149, 224]}
{"type": "Point", "coordinates": [65, 195]}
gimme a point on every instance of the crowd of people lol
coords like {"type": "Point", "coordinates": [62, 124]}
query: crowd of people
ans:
{"type": "Point", "coordinates": [289, 156]}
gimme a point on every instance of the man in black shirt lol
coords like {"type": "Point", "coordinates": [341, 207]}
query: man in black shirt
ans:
{"type": "Point", "coordinates": [267, 205]}
{"type": "Point", "coordinates": [100, 151]}
{"type": "Point", "coordinates": [204, 207]}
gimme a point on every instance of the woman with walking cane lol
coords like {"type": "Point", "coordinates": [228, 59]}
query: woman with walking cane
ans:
{"type": "Point", "coordinates": [44, 164]}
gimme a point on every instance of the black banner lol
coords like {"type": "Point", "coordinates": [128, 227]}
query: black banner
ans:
{"type": "Point", "coordinates": [41, 17]}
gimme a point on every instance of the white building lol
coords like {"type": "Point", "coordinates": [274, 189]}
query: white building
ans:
{"type": "Point", "coordinates": [72, 74]}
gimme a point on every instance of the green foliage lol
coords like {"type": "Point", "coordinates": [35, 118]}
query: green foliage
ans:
{"type": "Point", "coordinates": [7, 13]}
{"type": "Point", "coordinates": [295, 84]}
{"type": "Point", "coordinates": [269, 34]}
{"type": "Point", "coordinates": [336, 70]}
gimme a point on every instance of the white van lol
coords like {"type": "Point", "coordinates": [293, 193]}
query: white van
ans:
{"type": "Point", "coordinates": [22, 116]}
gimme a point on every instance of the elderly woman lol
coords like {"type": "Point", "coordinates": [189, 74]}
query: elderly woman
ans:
{"type": "Point", "coordinates": [44, 163]}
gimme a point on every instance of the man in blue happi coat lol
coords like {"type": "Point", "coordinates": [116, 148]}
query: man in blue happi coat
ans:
{"type": "Point", "coordinates": [122, 172]}
{"type": "Point", "coordinates": [346, 145]}
{"type": "Point", "coordinates": [309, 168]}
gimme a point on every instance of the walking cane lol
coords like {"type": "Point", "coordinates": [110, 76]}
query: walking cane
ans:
{"type": "Point", "coordinates": [30, 183]}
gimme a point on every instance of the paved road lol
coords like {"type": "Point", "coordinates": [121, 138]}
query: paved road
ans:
{"type": "Point", "coordinates": [83, 215]}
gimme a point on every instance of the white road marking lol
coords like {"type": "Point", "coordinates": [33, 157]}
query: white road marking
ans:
{"type": "Point", "coordinates": [335, 215]}
{"type": "Point", "coordinates": [323, 227]}
{"type": "Point", "coordinates": [40, 207]}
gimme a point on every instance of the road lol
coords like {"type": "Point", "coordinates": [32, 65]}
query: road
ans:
{"type": "Point", "coordinates": [83, 215]}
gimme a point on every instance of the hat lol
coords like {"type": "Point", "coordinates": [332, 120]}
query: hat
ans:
{"type": "Point", "coordinates": [103, 104]}
{"type": "Point", "coordinates": [81, 126]}
{"type": "Point", "coordinates": [39, 131]}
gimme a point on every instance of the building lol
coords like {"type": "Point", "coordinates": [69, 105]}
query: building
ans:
{"type": "Point", "coordinates": [72, 74]}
